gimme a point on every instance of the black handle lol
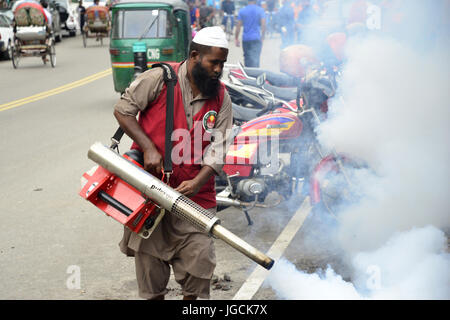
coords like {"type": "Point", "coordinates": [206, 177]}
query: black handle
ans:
{"type": "Point", "coordinates": [114, 203]}
{"type": "Point", "coordinates": [119, 134]}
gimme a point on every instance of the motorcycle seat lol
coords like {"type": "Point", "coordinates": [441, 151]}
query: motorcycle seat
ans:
{"type": "Point", "coordinates": [286, 94]}
{"type": "Point", "coordinates": [244, 113]}
{"type": "Point", "coordinates": [275, 78]}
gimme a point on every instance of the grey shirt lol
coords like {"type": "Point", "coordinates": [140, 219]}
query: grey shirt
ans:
{"type": "Point", "coordinates": [147, 87]}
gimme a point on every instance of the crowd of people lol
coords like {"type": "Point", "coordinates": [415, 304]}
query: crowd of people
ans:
{"type": "Point", "coordinates": [306, 22]}
{"type": "Point", "coordinates": [291, 19]}
{"type": "Point", "coordinates": [287, 17]}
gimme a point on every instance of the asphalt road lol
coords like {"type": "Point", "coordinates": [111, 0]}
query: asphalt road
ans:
{"type": "Point", "coordinates": [48, 233]}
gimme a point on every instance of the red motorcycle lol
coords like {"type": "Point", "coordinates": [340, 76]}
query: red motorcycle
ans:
{"type": "Point", "coordinates": [278, 151]}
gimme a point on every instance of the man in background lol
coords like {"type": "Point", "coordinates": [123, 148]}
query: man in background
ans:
{"type": "Point", "coordinates": [81, 14]}
{"type": "Point", "coordinates": [194, 13]}
{"type": "Point", "coordinates": [252, 19]}
{"type": "Point", "coordinates": [228, 8]}
{"type": "Point", "coordinates": [206, 15]}
{"type": "Point", "coordinates": [44, 4]}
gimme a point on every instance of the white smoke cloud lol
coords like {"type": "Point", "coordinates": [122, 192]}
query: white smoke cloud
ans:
{"type": "Point", "coordinates": [410, 265]}
{"type": "Point", "coordinates": [290, 283]}
{"type": "Point", "coordinates": [395, 116]}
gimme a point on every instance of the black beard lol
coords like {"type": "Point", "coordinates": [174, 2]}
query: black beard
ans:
{"type": "Point", "coordinates": [208, 86]}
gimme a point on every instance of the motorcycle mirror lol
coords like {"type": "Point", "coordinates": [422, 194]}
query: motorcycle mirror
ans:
{"type": "Point", "coordinates": [261, 79]}
{"type": "Point", "coordinates": [297, 98]}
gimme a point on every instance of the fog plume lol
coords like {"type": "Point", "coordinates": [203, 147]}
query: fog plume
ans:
{"type": "Point", "coordinates": [410, 265]}
{"type": "Point", "coordinates": [392, 113]}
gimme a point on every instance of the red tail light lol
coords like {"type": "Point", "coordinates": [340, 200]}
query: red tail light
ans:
{"type": "Point", "coordinates": [114, 52]}
{"type": "Point", "coordinates": [167, 51]}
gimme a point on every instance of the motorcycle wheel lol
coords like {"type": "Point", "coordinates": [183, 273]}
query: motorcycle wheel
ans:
{"type": "Point", "coordinates": [336, 185]}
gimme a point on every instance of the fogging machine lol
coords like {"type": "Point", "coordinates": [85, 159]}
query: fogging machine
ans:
{"type": "Point", "coordinates": [123, 190]}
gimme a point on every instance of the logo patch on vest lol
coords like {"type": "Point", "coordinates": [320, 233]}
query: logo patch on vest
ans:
{"type": "Point", "coordinates": [209, 120]}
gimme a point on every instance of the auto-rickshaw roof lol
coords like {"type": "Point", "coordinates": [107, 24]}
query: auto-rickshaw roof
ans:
{"type": "Point", "coordinates": [176, 4]}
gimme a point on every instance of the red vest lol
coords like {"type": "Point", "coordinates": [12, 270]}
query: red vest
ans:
{"type": "Point", "coordinates": [153, 121]}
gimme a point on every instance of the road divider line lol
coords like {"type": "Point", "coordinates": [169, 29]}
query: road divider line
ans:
{"type": "Point", "coordinates": [69, 85]}
{"type": "Point", "coordinates": [48, 93]}
{"type": "Point", "coordinates": [259, 274]}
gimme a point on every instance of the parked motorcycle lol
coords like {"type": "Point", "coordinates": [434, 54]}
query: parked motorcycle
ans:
{"type": "Point", "coordinates": [299, 158]}
{"type": "Point", "coordinates": [272, 152]}
{"type": "Point", "coordinates": [277, 79]}
{"type": "Point", "coordinates": [249, 99]}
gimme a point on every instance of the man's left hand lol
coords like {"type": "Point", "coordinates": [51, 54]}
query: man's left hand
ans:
{"type": "Point", "coordinates": [188, 188]}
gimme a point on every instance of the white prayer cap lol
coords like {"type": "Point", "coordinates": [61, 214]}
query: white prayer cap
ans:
{"type": "Point", "coordinates": [212, 37]}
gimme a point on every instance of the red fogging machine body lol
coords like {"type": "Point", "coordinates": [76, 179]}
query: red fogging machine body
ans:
{"type": "Point", "coordinates": [121, 201]}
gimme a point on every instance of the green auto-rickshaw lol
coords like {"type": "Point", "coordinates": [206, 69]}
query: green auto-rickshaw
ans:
{"type": "Point", "coordinates": [161, 27]}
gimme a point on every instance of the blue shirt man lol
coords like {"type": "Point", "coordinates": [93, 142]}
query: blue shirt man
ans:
{"type": "Point", "coordinates": [194, 13]}
{"type": "Point", "coordinates": [252, 19]}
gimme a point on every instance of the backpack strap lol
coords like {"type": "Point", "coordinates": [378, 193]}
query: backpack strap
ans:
{"type": "Point", "coordinates": [170, 79]}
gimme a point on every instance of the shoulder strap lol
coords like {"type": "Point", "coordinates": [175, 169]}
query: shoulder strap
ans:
{"type": "Point", "coordinates": [170, 79]}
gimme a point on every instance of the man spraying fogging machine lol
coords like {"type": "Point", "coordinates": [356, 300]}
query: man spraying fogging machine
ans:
{"type": "Point", "coordinates": [182, 238]}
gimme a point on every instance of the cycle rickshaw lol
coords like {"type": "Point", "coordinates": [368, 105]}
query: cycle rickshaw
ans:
{"type": "Point", "coordinates": [97, 24]}
{"type": "Point", "coordinates": [32, 36]}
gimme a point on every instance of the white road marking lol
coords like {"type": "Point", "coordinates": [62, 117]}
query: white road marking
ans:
{"type": "Point", "coordinates": [257, 277]}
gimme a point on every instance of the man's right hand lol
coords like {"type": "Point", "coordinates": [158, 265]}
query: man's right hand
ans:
{"type": "Point", "coordinates": [153, 162]}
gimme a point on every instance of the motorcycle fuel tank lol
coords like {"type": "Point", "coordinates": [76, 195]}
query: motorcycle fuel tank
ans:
{"type": "Point", "coordinates": [244, 152]}
{"type": "Point", "coordinates": [272, 126]}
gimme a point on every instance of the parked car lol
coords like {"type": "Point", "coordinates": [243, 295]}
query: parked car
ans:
{"type": "Point", "coordinates": [6, 36]}
{"type": "Point", "coordinates": [68, 17]}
